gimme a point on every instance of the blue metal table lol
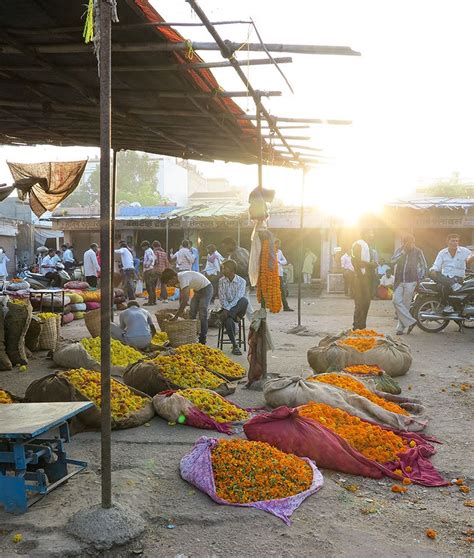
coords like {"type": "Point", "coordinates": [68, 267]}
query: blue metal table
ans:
{"type": "Point", "coordinates": [32, 457]}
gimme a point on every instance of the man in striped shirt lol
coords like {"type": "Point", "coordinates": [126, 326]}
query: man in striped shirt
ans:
{"type": "Point", "coordinates": [232, 299]}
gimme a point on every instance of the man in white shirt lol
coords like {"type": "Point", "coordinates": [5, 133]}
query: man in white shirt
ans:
{"type": "Point", "coordinates": [184, 257]}
{"type": "Point", "coordinates": [187, 280]}
{"type": "Point", "coordinates": [449, 268]}
{"type": "Point", "coordinates": [127, 268]}
{"type": "Point", "coordinates": [213, 267]}
{"type": "Point", "coordinates": [91, 265]}
{"type": "Point", "coordinates": [281, 262]}
{"type": "Point", "coordinates": [233, 301]}
{"type": "Point", "coordinates": [150, 277]}
{"type": "Point", "coordinates": [68, 257]}
{"type": "Point", "coordinates": [348, 274]}
{"type": "Point", "coordinates": [364, 269]}
{"type": "Point", "coordinates": [48, 268]}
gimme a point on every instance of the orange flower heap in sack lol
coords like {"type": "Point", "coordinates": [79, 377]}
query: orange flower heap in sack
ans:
{"type": "Point", "coordinates": [185, 373]}
{"type": "Point", "coordinates": [213, 360]}
{"type": "Point", "coordinates": [247, 472]}
{"type": "Point", "coordinates": [351, 384]}
{"type": "Point", "coordinates": [363, 369]}
{"type": "Point", "coordinates": [5, 398]}
{"type": "Point", "coordinates": [268, 284]}
{"type": "Point", "coordinates": [361, 344]}
{"type": "Point", "coordinates": [370, 440]}
{"type": "Point", "coordinates": [366, 333]}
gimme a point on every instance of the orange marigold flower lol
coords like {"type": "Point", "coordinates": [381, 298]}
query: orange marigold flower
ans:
{"type": "Point", "coordinates": [464, 489]}
{"type": "Point", "coordinates": [366, 333]}
{"type": "Point", "coordinates": [363, 369]}
{"type": "Point", "coordinates": [459, 482]}
{"type": "Point", "coordinates": [361, 344]}
{"type": "Point", "coordinates": [408, 469]}
{"type": "Point", "coordinates": [370, 440]}
{"type": "Point", "coordinates": [469, 503]}
{"type": "Point", "coordinates": [406, 481]}
{"type": "Point", "coordinates": [398, 472]}
{"type": "Point", "coordinates": [398, 489]}
{"type": "Point", "coordinates": [431, 533]}
{"type": "Point", "coordinates": [351, 384]}
{"type": "Point", "coordinates": [247, 471]}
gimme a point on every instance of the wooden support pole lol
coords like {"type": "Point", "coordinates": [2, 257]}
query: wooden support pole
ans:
{"type": "Point", "coordinates": [301, 250]}
{"type": "Point", "coordinates": [330, 121]}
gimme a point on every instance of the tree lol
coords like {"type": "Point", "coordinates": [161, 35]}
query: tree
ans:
{"type": "Point", "coordinates": [453, 187]}
{"type": "Point", "coordinates": [136, 182]}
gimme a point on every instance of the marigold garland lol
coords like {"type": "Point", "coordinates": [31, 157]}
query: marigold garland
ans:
{"type": "Point", "coordinates": [120, 354]}
{"type": "Point", "coordinates": [123, 401]}
{"type": "Point", "coordinates": [214, 405]}
{"type": "Point", "coordinates": [268, 284]}
{"type": "Point", "coordinates": [370, 440]}
{"type": "Point", "coordinates": [185, 373]}
{"type": "Point", "coordinates": [351, 384]}
{"type": "Point", "coordinates": [363, 369]}
{"type": "Point", "coordinates": [361, 344]}
{"type": "Point", "coordinates": [366, 333]}
{"type": "Point", "coordinates": [5, 398]}
{"type": "Point", "coordinates": [211, 359]}
{"type": "Point", "coordinates": [247, 472]}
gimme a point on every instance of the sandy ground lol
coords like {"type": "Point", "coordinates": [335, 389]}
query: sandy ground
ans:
{"type": "Point", "coordinates": [182, 522]}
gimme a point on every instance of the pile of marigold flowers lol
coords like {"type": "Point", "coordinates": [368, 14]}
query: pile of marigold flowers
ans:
{"type": "Point", "coordinates": [120, 354]}
{"type": "Point", "coordinates": [22, 301]}
{"type": "Point", "coordinates": [213, 360]}
{"type": "Point", "coordinates": [363, 369]}
{"type": "Point", "coordinates": [351, 384]}
{"type": "Point", "coordinates": [366, 333]}
{"type": "Point", "coordinates": [214, 405]}
{"type": "Point", "coordinates": [268, 284]}
{"type": "Point", "coordinates": [5, 398]}
{"type": "Point", "coordinates": [123, 401]}
{"type": "Point", "coordinates": [361, 344]}
{"type": "Point", "coordinates": [370, 440]}
{"type": "Point", "coordinates": [47, 315]}
{"type": "Point", "coordinates": [247, 472]}
{"type": "Point", "coordinates": [185, 373]}
{"type": "Point", "coordinates": [160, 338]}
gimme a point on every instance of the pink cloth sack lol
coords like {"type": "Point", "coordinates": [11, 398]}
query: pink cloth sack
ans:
{"type": "Point", "coordinates": [92, 305]}
{"type": "Point", "coordinates": [196, 468]}
{"type": "Point", "coordinates": [286, 430]}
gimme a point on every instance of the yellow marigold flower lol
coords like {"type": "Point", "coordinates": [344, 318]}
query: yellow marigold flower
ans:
{"type": "Point", "coordinates": [5, 398]}
{"type": "Point", "coordinates": [160, 338]}
{"type": "Point", "coordinates": [213, 360]}
{"type": "Point", "coordinates": [185, 373]}
{"type": "Point", "coordinates": [214, 405]}
{"type": "Point", "coordinates": [120, 354]}
{"type": "Point", "coordinates": [47, 315]}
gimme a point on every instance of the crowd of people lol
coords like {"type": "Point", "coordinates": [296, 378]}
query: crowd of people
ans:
{"type": "Point", "coordinates": [362, 271]}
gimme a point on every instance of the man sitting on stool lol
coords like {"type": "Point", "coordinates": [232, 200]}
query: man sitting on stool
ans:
{"type": "Point", "coordinates": [232, 299]}
{"type": "Point", "coordinates": [136, 327]}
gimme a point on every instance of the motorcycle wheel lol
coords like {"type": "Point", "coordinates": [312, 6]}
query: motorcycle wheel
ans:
{"type": "Point", "coordinates": [429, 305]}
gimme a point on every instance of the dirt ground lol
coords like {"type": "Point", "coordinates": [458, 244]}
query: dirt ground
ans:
{"type": "Point", "coordinates": [182, 522]}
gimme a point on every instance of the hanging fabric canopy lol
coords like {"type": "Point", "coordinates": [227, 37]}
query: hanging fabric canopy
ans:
{"type": "Point", "coordinates": [45, 184]}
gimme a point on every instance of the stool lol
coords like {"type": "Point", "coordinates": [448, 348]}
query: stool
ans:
{"type": "Point", "coordinates": [240, 335]}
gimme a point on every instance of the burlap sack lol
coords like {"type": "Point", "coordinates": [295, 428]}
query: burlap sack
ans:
{"type": "Point", "coordinates": [171, 407]}
{"type": "Point", "coordinates": [49, 336]}
{"type": "Point", "coordinates": [391, 355]}
{"type": "Point", "coordinates": [92, 320]}
{"type": "Point", "coordinates": [5, 363]}
{"type": "Point", "coordinates": [33, 334]}
{"type": "Point", "coordinates": [17, 322]}
{"type": "Point", "coordinates": [74, 355]}
{"type": "Point", "coordinates": [146, 377]}
{"type": "Point", "coordinates": [55, 388]}
{"type": "Point", "coordinates": [295, 391]}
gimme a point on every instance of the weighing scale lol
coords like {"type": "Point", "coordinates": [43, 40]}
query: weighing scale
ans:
{"type": "Point", "coordinates": [32, 459]}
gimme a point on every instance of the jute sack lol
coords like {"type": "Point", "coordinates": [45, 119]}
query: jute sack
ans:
{"type": "Point", "coordinates": [5, 363]}
{"type": "Point", "coordinates": [389, 354]}
{"type": "Point", "coordinates": [293, 392]}
{"type": "Point", "coordinates": [49, 336]}
{"type": "Point", "coordinates": [53, 388]}
{"type": "Point", "coordinates": [33, 334]}
{"type": "Point", "coordinates": [145, 376]}
{"type": "Point", "coordinates": [92, 320]}
{"type": "Point", "coordinates": [17, 322]}
{"type": "Point", "coordinates": [74, 355]}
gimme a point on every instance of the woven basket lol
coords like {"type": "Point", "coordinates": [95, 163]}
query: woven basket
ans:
{"type": "Point", "coordinates": [92, 320]}
{"type": "Point", "coordinates": [180, 332]}
{"type": "Point", "coordinates": [164, 315]}
{"type": "Point", "coordinates": [49, 337]}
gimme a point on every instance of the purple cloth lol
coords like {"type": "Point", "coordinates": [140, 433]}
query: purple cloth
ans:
{"type": "Point", "coordinates": [196, 468]}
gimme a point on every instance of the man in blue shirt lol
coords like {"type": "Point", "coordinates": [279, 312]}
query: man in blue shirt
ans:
{"type": "Point", "coordinates": [233, 301]}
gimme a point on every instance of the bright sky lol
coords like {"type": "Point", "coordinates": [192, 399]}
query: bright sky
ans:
{"type": "Point", "coordinates": [410, 95]}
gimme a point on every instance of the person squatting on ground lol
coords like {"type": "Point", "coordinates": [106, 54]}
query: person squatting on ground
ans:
{"type": "Point", "coordinates": [449, 268]}
{"type": "Point", "coordinates": [161, 263]}
{"type": "Point", "coordinates": [135, 327]}
{"type": "Point", "coordinates": [186, 280]}
{"type": "Point", "coordinates": [281, 262]}
{"type": "Point", "coordinates": [233, 301]}
{"type": "Point", "coordinates": [127, 269]}
{"type": "Point", "coordinates": [150, 277]}
{"type": "Point", "coordinates": [91, 265]}
{"type": "Point", "coordinates": [364, 269]}
{"type": "Point", "coordinates": [213, 268]}
{"type": "Point", "coordinates": [410, 268]}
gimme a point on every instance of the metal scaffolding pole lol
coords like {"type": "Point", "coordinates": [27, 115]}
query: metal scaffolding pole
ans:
{"type": "Point", "coordinates": [105, 247]}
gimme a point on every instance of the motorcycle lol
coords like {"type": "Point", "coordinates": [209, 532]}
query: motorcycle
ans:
{"type": "Point", "coordinates": [428, 306]}
{"type": "Point", "coordinates": [38, 281]}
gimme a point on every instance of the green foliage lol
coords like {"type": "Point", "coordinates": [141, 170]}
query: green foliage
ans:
{"type": "Point", "coordinates": [453, 187]}
{"type": "Point", "coordinates": [136, 182]}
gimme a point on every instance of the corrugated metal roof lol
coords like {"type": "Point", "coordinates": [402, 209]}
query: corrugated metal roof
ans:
{"type": "Point", "coordinates": [430, 203]}
{"type": "Point", "coordinates": [147, 211]}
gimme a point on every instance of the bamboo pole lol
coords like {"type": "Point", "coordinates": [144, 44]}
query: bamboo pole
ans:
{"type": "Point", "coordinates": [301, 251]}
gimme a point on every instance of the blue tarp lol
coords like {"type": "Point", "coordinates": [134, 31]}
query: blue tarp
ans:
{"type": "Point", "coordinates": [150, 211]}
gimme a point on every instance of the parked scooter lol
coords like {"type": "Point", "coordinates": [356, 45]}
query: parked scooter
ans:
{"type": "Point", "coordinates": [428, 307]}
{"type": "Point", "coordinates": [59, 278]}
